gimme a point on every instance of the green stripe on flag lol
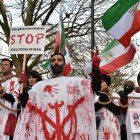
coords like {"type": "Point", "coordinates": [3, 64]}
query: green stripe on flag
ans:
{"type": "Point", "coordinates": [46, 65]}
{"type": "Point", "coordinates": [111, 45]}
{"type": "Point", "coordinates": [62, 34]}
{"type": "Point", "coordinates": [60, 47]}
{"type": "Point", "coordinates": [115, 12]}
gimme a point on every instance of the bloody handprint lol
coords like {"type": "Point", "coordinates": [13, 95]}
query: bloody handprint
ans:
{"type": "Point", "coordinates": [51, 89]}
{"type": "Point", "coordinates": [106, 133]}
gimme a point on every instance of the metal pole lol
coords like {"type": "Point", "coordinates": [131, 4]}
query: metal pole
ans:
{"type": "Point", "coordinates": [92, 25]}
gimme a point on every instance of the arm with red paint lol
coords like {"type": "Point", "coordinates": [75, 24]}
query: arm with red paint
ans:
{"type": "Point", "coordinates": [96, 76]}
{"type": "Point", "coordinates": [24, 95]}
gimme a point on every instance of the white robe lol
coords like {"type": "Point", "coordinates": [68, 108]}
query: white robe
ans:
{"type": "Point", "coordinates": [109, 128]}
{"type": "Point", "coordinates": [133, 104]}
{"type": "Point", "coordinates": [58, 109]}
{"type": "Point", "coordinates": [11, 86]}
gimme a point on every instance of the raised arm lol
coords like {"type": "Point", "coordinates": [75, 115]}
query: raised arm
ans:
{"type": "Point", "coordinates": [96, 76]}
{"type": "Point", "coordinates": [24, 95]}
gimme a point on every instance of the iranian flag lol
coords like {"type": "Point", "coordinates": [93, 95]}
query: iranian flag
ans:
{"type": "Point", "coordinates": [60, 47]}
{"type": "Point", "coordinates": [68, 67]}
{"type": "Point", "coordinates": [60, 37]}
{"type": "Point", "coordinates": [113, 57]}
{"type": "Point", "coordinates": [122, 20]}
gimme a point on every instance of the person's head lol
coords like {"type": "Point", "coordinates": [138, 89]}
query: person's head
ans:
{"type": "Point", "coordinates": [135, 116]}
{"type": "Point", "coordinates": [105, 82]}
{"type": "Point", "coordinates": [33, 77]}
{"type": "Point", "coordinates": [6, 66]}
{"type": "Point", "coordinates": [129, 86]}
{"type": "Point", "coordinates": [57, 63]}
{"type": "Point", "coordinates": [138, 79]}
{"type": "Point", "coordinates": [137, 123]}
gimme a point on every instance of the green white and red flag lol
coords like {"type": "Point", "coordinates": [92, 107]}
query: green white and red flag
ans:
{"type": "Point", "coordinates": [122, 20]}
{"type": "Point", "coordinates": [60, 37]}
{"type": "Point", "coordinates": [113, 57]}
{"type": "Point", "coordinates": [68, 67]}
{"type": "Point", "coordinates": [61, 48]}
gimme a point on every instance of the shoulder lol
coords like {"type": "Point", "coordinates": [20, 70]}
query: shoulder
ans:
{"type": "Point", "coordinates": [135, 93]}
{"type": "Point", "coordinates": [78, 78]}
{"type": "Point", "coordinates": [137, 89]}
{"type": "Point", "coordinates": [114, 94]}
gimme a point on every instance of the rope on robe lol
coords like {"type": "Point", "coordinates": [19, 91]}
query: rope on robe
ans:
{"type": "Point", "coordinates": [10, 109]}
{"type": "Point", "coordinates": [129, 97]}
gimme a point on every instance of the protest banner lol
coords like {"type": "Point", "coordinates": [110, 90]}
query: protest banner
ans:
{"type": "Point", "coordinates": [27, 40]}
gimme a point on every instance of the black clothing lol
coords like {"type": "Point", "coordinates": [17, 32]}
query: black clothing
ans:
{"type": "Point", "coordinates": [9, 97]}
{"type": "Point", "coordinates": [24, 97]}
{"type": "Point", "coordinates": [111, 106]}
{"type": "Point", "coordinates": [96, 80]}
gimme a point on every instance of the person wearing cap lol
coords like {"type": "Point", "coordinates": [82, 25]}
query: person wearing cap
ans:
{"type": "Point", "coordinates": [133, 104]}
{"type": "Point", "coordinates": [128, 87]}
{"type": "Point", "coordinates": [107, 111]}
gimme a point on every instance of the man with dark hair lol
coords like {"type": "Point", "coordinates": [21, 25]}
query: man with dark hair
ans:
{"type": "Point", "coordinates": [60, 107]}
{"type": "Point", "coordinates": [10, 62]}
{"type": "Point", "coordinates": [8, 97]}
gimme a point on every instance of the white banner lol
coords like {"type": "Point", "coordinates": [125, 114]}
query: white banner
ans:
{"type": "Point", "coordinates": [135, 120]}
{"type": "Point", "coordinates": [27, 40]}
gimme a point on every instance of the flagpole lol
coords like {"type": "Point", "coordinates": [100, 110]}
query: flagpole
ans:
{"type": "Point", "coordinates": [92, 25]}
{"type": "Point", "coordinates": [60, 17]}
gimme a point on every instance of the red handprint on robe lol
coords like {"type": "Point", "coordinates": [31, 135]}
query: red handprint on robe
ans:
{"type": "Point", "coordinates": [12, 86]}
{"type": "Point", "coordinates": [51, 89]}
{"type": "Point", "coordinates": [106, 133]}
{"type": "Point", "coordinates": [84, 137]}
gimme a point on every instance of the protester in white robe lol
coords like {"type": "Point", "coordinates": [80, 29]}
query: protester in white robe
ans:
{"type": "Point", "coordinates": [128, 87]}
{"type": "Point", "coordinates": [107, 111]}
{"type": "Point", "coordinates": [60, 108]}
{"type": "Point", "coordinates": [8, 97]}
{"type": "Point", "coordinates": [133, 104]}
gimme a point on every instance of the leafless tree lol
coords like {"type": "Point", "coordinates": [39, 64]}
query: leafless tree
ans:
{"type": "Point", "coordinates": [76, 19]}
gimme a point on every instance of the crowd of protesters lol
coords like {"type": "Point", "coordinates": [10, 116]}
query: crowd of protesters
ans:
{"type": "Point", "coordinates": [66, 108]}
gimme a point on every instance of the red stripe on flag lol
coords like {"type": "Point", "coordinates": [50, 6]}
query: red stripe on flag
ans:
{"type": "Point", "coordinates": [119, 61]}
{"type": "Point", "coordinates": [126, 38]}
{"type": "Point", "coordinates": [57, 41]}
{"type": "Point", "coordinates": [67, 69]}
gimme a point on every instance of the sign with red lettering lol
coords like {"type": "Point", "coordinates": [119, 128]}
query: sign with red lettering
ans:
{"type": "Point", "coordinates": [27, 40]}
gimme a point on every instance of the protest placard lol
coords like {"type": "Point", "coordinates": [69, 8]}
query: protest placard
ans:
{"type": "Point", "coordinates": [27, 40]}
{"type": "Point", "coordinates": [135, 120]}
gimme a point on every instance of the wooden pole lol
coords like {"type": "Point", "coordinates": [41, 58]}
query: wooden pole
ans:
{"type": "Point", "coordinates": [23, 70]}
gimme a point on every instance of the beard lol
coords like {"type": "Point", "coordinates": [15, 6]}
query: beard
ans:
{"type": "Point", "coordinates": [57, 69]}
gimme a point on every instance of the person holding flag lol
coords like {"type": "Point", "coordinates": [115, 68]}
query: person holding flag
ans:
{"type": "Point", "coordinates": [61, 107]}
